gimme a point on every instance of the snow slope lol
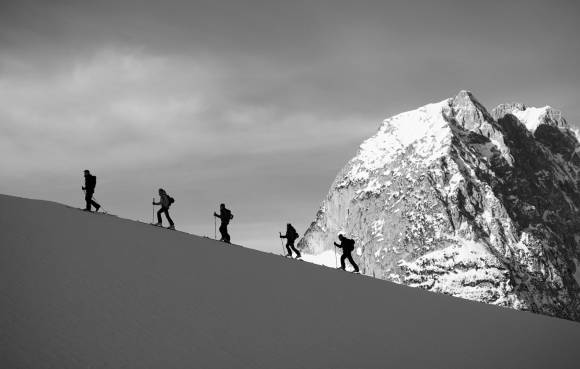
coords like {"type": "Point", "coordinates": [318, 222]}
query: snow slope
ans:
{"type": "Point", "coordinates": [82, 290]}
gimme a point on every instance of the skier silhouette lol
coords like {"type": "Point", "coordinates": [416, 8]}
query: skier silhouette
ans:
{"type": "Point", "coordinates": [347, 246]}
{"type": "Point", "coordinates": [165, 201]}
{"type": "Point", "coordinates": [225, 216]}
{"type": "Point", "coordinates": [291, 236]}
{"type": "Point", "coordinates": [89, 188]}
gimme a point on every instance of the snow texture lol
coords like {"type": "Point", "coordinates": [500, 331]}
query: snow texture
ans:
{"type": "Point", "coordinates": [85, 290]}
{"type": "Point", "coordinates": [453, 199]}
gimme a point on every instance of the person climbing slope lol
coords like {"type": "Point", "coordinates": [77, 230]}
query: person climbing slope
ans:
{"type": "Point", "coordinates": [225, 216]}
{"type": "Point", "coordinates": [89, 188]}
{"type": "Point", "coordinates": [165, 201]}
{"type": "Point", "coordinates": [347, 246]}
{"type": "Point", "coordinates": [291, 236]}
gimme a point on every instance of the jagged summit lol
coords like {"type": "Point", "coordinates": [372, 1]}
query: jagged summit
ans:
{"type": "Point", "coordinates": [463, 109]}
{"type": "Point", "coordinates": [469, 113]}
{"type": "Point", "coordinates": [453, 199]}
{"type": "Point", "coordinates": [531, 117]}
{"type": "Point", "coordinates": [427, 132]}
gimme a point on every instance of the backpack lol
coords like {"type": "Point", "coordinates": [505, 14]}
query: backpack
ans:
{"type": "Point", "coordinates": [91, 182]}
{"type": "Point", "coordinates": [348, 245]}
{"type": "Point", "coordinates": [171, 200]}
{"type": "Point", "coordinates": [229, 215]}
{"type": "Point", "coordinates": [292, 234]}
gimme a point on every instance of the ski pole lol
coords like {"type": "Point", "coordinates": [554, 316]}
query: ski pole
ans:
{"type": "Point", "coordinates": [282, 244]}
{"type": "Point", "coordinates": [214, 228]}
{"type": "Point", "coordinates": [153, 211]}
{"type": "Point", "coordinates": [335, 262]}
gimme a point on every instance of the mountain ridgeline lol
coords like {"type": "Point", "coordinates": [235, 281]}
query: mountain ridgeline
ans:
{"type": "Point", "coordinates": [457, 200]}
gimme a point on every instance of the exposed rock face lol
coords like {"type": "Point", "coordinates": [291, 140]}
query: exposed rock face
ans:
{"type": "Point", "coordinates": [456, 200]}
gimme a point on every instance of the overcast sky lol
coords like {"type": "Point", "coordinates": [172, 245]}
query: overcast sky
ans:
{"type": "Point", "coordinates": [257, 104]}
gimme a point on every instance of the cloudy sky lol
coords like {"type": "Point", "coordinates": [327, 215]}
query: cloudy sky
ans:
{"type": "Point", "coordinates": [257, 104]}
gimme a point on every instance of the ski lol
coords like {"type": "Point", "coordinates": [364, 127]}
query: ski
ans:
{"type": "Point", "coordinates": [94, 211]}
{"type": "Point", "coordinates": [161, 226]}
{"type": "Point", "coordinates": [349, 271]}
{"type": "Point", "coordinates": [292, 257]}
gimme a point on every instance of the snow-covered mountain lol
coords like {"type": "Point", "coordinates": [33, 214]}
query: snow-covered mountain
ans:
{"type": "Point", "coordinates": [457, 200]}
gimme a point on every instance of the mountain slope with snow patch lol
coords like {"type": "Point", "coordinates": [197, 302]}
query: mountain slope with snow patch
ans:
{"type": "Point", "coordinates": [453, 199]}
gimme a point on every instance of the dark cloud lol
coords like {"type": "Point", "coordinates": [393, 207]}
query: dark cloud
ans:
{"type": "Point", "coordinates": [257, 103]}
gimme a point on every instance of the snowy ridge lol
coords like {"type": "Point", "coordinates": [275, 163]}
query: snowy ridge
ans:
{"type": "Point", "coordinates": [449, 177]}
{"type": "Point", "coordinates": [425, 128]}
{"type": "Point", "coordinates": [86, 290]}
{"type": "Point", "coordinates": [532, 117]}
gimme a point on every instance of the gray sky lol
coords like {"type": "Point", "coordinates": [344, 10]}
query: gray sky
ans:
{"type": "Point", "coordinates": [254, 103]}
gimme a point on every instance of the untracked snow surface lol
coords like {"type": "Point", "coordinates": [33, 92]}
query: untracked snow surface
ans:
{"type": "Point", "coordinates": [82, 290]}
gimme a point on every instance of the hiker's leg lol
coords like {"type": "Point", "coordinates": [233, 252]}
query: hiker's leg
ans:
{"type": "Point", "coordinates": [88, 200]}
{"type": "Point", "coordinates": [342, 257]}
{"type": "Point", "coordinates": [226, 235]}
{"type": "Point", "coordinates": [350, 259]}
{"type": "Point", "coordinates": [94, 203]}
{"type": "Point", "coordinates": [294, 248]}
{"type": "Point", "coordinates": [168, 217]}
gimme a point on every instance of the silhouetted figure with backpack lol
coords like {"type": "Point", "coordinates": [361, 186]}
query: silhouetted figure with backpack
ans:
{"type": "Point", "coordinates": [225, 216]}
{"type": "Point", "coordinates": [347, 246]}
{"type": "Point", "coordinates": [291, 236]}
{"type": "Point", "coordinates": [89, 188]}
{"type": "Point", "coordinates": [165, 201]}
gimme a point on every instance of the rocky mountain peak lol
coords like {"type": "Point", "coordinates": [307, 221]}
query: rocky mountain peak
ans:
{"type": "Point", "coordinates": [531, 117]}
{"type": "Point", "coordinates": [455, 200]}
{"type": "Point", "coordinates": [468, 113]}
{"type": "Point", "coordinates": [502, 109]}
